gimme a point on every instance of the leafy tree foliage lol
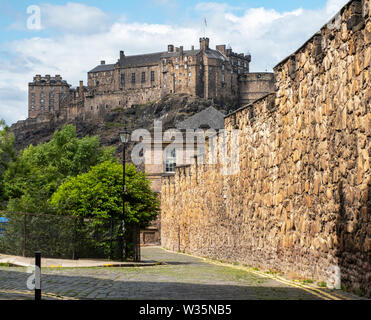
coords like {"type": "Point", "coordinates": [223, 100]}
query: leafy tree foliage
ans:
{"type": "Point", "coordinates": [7, 154]}
{"type": "Point", "coordinates": [36, 174]}
{"type": "Point", "coordinates": [98, 194]}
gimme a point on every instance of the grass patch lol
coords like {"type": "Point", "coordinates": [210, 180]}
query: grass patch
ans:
{"type": "Point", "coordinates": [322, 284]}
{"type": "Point", "coordinates": [120, 109]}
{"type": "Point", "coordinates": [272, 272]}
{"type": "Point", "coordinates": [5, 265]}
{"type": "Point", "coordinates": [307, 281]}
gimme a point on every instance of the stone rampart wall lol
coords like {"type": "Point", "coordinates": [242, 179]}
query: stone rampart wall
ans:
{"type": "Point", "coordinates": [300, 201]}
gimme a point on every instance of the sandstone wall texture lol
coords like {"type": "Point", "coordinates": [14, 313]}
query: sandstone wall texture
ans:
{"type": "Point", "coordinates": [300, 201]}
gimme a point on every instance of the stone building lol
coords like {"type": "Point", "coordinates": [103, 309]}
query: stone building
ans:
{"type": "Point", "coordinates": [220, 75]}
{"type": "Point", "coordinates": [46, 94]}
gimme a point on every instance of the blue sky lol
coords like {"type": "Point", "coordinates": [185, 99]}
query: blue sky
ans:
{"type": "Point", "coordinates": [76, 35]}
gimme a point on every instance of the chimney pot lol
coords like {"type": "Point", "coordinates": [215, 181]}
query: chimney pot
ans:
{"type": "Point", "coordinates": [170, 48]}
{"type": "Point", "coordinates": [103, 62]}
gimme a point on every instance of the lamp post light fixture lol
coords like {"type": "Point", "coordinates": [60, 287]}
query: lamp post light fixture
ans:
{"type": "Point", "coordinates": [125, 137]}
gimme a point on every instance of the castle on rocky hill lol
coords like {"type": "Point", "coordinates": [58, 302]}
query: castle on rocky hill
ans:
{"type": "Point", "coordinates": [219, 75]}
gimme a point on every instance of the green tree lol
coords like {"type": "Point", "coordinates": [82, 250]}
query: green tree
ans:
{"type": "Point", "coordinates": [36, 174]}
{"type": "Point", "coordinates": [7, 154]}
{"type": "Point", "coordinates": [98, 194]}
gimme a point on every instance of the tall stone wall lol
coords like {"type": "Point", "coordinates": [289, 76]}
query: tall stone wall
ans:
{"type": "Point", "coordinates": [300, 201]}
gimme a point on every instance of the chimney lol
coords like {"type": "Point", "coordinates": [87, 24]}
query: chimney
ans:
{"type": "Point", "coordinates": [221, 48]}
{"type": "Point", "coordinates": [103, 62]}
{"type": "Point", "coordinates": [193, 48]}
{"type": "Point", "coordinates": [181, 51]}
{"type": "Point", "coordinates": [81, 88]}
{"type": "Point", "coordinates": [122, 55]}
{"type": "Point", "coordinates": [204, 43]}
{"type": "Point", "coordinates": [170, 48]}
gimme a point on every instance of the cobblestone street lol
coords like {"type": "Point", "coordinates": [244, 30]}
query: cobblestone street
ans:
{"type": "Point", "coordinates": [182, 277]}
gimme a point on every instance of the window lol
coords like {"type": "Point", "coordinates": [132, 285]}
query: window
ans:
{"type": "Point", "coordinates": [223, 67]}
{"type": "Point", "coordinates": [170, 160]}
{"type": "Point", "coordinates": [123, 79]}
{"type": "Point", "coordinates": [143, 77]}
{"type": "Point", "coordinates": [245, 65]}
{"type": "Point", "coordinates": [51, 108]}
{"type": "Point", "coordinates": [177, 67]}
{"type": "Point", "coordinates": [42, 101]}
{"type": "Point", "coordinates": [42, 108]}
{"type": "Point", "coordinates": [152, 76]}
{"type": "Point", "coordinates": [176, 59]}
{"type": "Point", "coordinates": [33, 108]}
{"type": "Point", "coordinates": [185, 66]}
{"type": "Point", "coordinates": [223, 78]}
{"type": "Point", "coordinates": [97, 83]}
{"type": "Point", "coordinates": [190, 74]}
{"type": "Point", "coordinates": [133, 78]}
{"type": "Point", "coordinates": [185, 58]}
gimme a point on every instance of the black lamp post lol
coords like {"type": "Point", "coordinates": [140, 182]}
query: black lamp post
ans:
{"type": "Point", "coordinates": [124, 136]}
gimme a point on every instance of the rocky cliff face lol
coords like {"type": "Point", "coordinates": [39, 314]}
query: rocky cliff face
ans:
{"type": "Point", "coordinates": [170, 110]}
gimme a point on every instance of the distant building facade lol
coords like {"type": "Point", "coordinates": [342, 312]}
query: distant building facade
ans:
{"type": "Point", "coordinates": [221, 75]}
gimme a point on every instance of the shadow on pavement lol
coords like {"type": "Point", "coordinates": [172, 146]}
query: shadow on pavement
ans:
{"type": "Point", "coordinates": [85, 287]}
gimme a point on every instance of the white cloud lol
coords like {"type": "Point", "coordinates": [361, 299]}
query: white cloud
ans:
{"type": "Point", "coordinates": [88, 36]}
{"type": "Point", "coordinates": [333, 6]}
{"type": "Point", "coordinates": [74, 17]}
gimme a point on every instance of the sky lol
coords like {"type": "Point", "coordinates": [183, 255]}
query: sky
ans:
{"type": "Point", "coordinates": [72, 37]}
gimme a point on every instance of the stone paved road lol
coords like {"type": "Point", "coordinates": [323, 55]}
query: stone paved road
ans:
{"type": "Point", "coordinates": [183, 277]}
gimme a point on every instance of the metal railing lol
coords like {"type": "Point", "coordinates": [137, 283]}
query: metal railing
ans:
{"type": "Point", "coordinates": [64, 237]}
